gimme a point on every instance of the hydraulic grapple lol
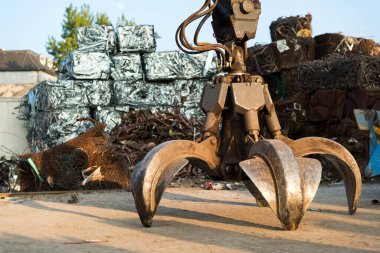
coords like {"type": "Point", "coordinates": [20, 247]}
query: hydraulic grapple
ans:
{"type": "Point", "coordinates": [278, 171]}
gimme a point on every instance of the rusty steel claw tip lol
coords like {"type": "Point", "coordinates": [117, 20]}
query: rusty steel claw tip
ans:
{"type": "Point", "coordinates": [153, 174]}
{"type": "Point", "coordinates": [290, 227]}
{"type": "Point", "coordinates": [285, 183]}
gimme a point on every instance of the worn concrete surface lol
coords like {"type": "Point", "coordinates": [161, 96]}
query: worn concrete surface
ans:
{"type": "Point", "coordinates": [188, 220]}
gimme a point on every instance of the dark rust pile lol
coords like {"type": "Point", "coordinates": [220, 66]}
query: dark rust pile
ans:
{"type": "Point", "coordinates": [291, 27]}
{"type": "Point", "coordinates": [279, 55]}
{"type": "Point", "coordinates": [340, 72]}
{"type": "Point", "coordinates": [334, 43]}
{"type": "Point", "coordinates": [89, 161]}
{"type": "Point", "coordinates": [140, 131]}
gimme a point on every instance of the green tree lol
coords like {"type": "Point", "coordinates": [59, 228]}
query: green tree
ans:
{"type": "Point", "coordinates": [73, 19]}
{"type": "Point", "coordinates": [123, 21]}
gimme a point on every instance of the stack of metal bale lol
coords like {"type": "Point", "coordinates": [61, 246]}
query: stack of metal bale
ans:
{"type": "Point", "coordinates": [112, 72]}
{"type": "Point", "coordinates": [317, 82]}
{"type": "Point", "coordinates": [292, 44]}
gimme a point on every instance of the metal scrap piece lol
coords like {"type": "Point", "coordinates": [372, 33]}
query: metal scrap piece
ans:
{"type": "Point", "coordinates": [126, 67]}
{"type": "Point", "coordinates": [163, 66]}
{"type": "Point", "coordinates": [46, 129]}
{"type": "Point", "coordinates": [65, 94]}
{"type": "Point", "coordinates": [140, 94]}
{"type": "Point", "coordinates": [136, 38]}
{"type": "Point", "coordinates": [172, 65]}
{"type": "Point", "coordinates": [96, 38]}
{"type": "Point", "coordinates": [86, 65]}
{"type": "Point", "coordinates": [109, 116]}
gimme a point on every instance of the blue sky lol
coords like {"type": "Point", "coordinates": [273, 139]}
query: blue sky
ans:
{"type": "Point", "coordinates": [26, 24]}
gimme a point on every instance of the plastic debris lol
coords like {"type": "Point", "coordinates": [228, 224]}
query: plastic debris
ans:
{"type": "Point", "coordinates": [97, 38]}
{"type": "Point", "coordinates": [136, 38]}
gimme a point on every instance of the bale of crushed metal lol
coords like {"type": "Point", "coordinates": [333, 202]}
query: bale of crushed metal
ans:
{"type": "Point", "coordinates": [327, 105]}
{"type": "Point", "coordinates": [340, 72]}
{"type": "Point", "coordinates": [65, 94]}
{"type": "Point", "coordinates": [96, 38]}
{"type": "Point", "coordinates": [108, 116]}
{"type": "Point", "coordinates": [280, 55]}
{"type": "Point", "coordinates": [9, 175]}
{"type": "Point", "coordinates": [172, 65]}
{"type": "Point", "coordinates": [136, 38]}
{"type": "Point", "coordinates": [334, 43]}
{"type": "Point", "coordinates": [126, 67]}
{"type": "Point", "coordinates": [291, 27]}
{"type": "Point", "coordinates": [48, 128]}
{"type": "Point", "coordinates": [142, 130]}
{"type": "Point", "coordinates": [142, 95]}
{"type": "Point", "coordinates": [198, 65]}
{"type": "Point", "coordinates": [191, 93]}
{"type": "Point", "coordinates": [163, 66]}
{"type": "Point", "coordinates": [87, 162]}
{"type": "Point", "coordinates": [86, 65]}
{"type": "Point", "coordinates": [368, 99]}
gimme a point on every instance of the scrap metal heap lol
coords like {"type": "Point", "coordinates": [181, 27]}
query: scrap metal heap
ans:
{"type": "Point", "coordinates": [239, 113]}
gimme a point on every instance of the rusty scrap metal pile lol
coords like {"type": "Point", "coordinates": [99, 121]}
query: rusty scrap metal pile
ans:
{"type": "Point", "coordinates": [316, 82]}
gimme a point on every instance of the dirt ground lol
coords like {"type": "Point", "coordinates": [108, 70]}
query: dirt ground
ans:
{"type": "Point", "coordinates": [188, 220]}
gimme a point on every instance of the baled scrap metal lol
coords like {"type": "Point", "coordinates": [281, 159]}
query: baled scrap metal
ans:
{"type": "Point", "coordinates": [198, 65]}
{"type": "Point", "coordinates": [108, 116]}
{"type": "Point", "coordinates": [126, 67]}
{"type": "Point", "coordinates": [86, 65]}
{"type": "Point", "coordinates": [335, 43]}
{"type": "Point", "coordinates": [136, 38]}
{"type": "Point", "coordinates": [172, 65]}
{"type": "Point", "coordinates": [98, 92]}
{"type": "Point", "coordinates": [64, 94]}
{"type": "Point", "coordinates": [163, 66]}
{"type": "Point", "coordinates": [291, 27]}
{"type": "Point", "coordinates": [280, 55]}
{"type": "Point", "coordinates": [140, 94]}
{"type": "Point", "coordinates": [191, 93]}
{"type": "Point", "coordinates": [340, 72]}
{"type": "Point", "coordinates": [54, 127]}
{"type": "Point", "coordinates": [59, 94]}
{"type": "Point", "coordinates": [97, 38]}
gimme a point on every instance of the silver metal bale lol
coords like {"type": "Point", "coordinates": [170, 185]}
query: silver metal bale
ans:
{"type": "Point", "coordinates": [126, 67]}
{"type": "Point", "coordinates": [86, 65]}
{"type": "Point", "coordinates": [136, 38]}
{"type": "Point", "coordinates": [97, 38]}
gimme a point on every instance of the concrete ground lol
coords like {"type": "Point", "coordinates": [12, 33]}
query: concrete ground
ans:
{"type": "Point", "coordinates": [188, 220]}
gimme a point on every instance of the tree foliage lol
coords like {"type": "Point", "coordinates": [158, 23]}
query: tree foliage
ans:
{"type": "Point", "coordinates": [73, 18]}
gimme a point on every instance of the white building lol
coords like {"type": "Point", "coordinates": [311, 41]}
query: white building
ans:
{"type": "Point", "coordinates": [20, 70]}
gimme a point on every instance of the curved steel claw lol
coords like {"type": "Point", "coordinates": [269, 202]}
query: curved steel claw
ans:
{"type": "Point", "coordinates": [286, 184]}
{"type": "Point", "coordinates": [152, 175]}
{"type": "Point", "coordinates": [345, 163]}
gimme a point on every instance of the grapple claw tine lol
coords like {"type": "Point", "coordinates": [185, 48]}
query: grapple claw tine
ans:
{"type": "Point", "coordinates": [279, 177]}
{"type": "Point", "coordinates": [153, 174]}
{"type": "Point", "coordinates": [311, 170]}
{"type": "Point", "coordinates": [346, 164]}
